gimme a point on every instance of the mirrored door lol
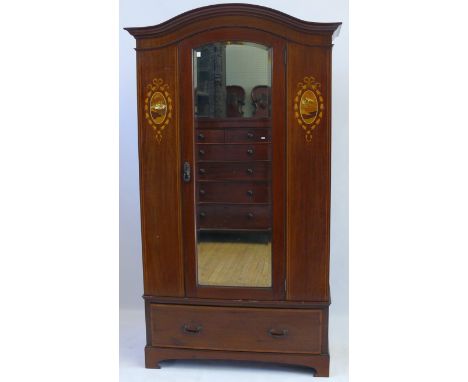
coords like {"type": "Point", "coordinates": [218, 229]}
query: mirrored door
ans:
{"type": "Point", "coordinates": [233, 137]}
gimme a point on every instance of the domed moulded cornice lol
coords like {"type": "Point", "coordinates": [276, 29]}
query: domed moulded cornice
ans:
{"type": "Point", "coordinates": [220, 11]}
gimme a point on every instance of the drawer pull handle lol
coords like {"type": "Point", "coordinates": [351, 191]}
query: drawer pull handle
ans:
{"type": "Point", "coordinates": [250, 135]}
{"type": "Point", "coordinates": [278, 333]}
{"type": "Point", "coordinates": [201, 136]}
{"type": "Point", "coordinates": [250, 151]}
{"type": "Point", "coordinates": [190, 329]}
{"type": "Point", "coordinates": [201, 152]}
{"type": "Point", "coordinates": [202, 192]}
{"type": "Point", "coordinates": [250, 215]}
{"type": "Point", "coordinates": [249, 193]}
{"type": "Point", "coordinates": [249, 171]}
{"type": "Point", "coordinates": [202, 214]}
{"type": "Point", "coordinates": [202, 171]}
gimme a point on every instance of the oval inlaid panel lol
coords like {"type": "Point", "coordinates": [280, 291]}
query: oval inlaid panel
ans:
{"type": "Point", "coordinates": [309, 107]}
{"type": "Point", "coordinates": [158, 108]}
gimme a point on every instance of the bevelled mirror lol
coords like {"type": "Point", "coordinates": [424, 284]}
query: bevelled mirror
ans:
{"type": "Point", "coordinates": [232, 129]}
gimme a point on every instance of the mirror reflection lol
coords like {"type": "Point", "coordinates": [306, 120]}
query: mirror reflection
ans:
{"type": "Point", "coordinates": [232, 80]}
{"type": "Point", "coordinates": [232, 88]}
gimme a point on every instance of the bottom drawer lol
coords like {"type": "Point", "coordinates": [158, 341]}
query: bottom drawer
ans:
{"type": "Point", "coordinates": [241, 329]}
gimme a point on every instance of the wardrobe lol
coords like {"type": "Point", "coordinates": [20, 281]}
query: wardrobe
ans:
{"type": "Point", "coordinates": [234, 132]}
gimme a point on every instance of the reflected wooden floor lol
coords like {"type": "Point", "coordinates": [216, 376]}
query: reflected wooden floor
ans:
{"type": "Point", "coordinates": [234, 264]}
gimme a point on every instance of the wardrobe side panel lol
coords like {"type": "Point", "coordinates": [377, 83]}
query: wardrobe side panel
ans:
{"type": "Point", "coordinates": [160, 173]}
{"type": "Point", "coordinates": [308, 175]}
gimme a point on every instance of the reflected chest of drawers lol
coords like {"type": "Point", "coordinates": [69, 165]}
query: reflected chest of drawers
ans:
{"type": "Point", "coordinates": [234, 131]}
{"type": "Point", "coordinates": [234, 174]}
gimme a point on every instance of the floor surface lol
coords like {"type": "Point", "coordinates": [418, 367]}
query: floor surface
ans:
{"type": "Point", "coordinates": [132, 342]}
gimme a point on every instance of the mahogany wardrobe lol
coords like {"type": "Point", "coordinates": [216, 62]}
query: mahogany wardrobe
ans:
{"type": "Point", "coordinates": [234, 131]}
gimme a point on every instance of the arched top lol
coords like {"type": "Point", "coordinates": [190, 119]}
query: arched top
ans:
{"type": "Point", "coordinates": [233, 10]}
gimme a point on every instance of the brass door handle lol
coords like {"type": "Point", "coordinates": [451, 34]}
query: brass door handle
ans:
{"type": "Point", "coordinates": [186, 172]}
{"type": "Point", "coordinates": [250, 151]}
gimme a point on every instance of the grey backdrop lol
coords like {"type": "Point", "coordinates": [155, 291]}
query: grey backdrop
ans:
{"type": "Point", "coordinates": [150, 12]}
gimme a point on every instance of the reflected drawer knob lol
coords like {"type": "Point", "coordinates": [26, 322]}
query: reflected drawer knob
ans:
{"type": "Point", "coordinates": [201, 152]}
{"type": "Point", "coordinates": [250, 135]}
{"type": "Point", "coordinates": [250, 171]}
{"type": "Point", "coordinates": [250, 151]}
{"type": "Point", "coordinates": [202, 214]}
{"type": "Point", "coordinates": [202, 192]}
{"type": "Point", "coordinates": [202, 171]}
{"type": "Point", "coordinates": [249, 192]}
{"type": "Point", "coordinates": [250, 215]}
{"type": "Point", "coordinates": [201, 136]}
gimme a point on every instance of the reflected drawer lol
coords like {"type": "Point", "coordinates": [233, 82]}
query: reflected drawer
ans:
{"type": "Point", "coordinates": [248, 135]}
{"type": "Point", "coordinates": [209, 136]}
{"type": "Point", "coordinates": [241, 329]}
{"type": "Point", "coordinates": [233, 171]}
{"type": "Point", "coordinates": [233, 152]}
{"type": "Point", "coordinates": [219, 216]}
{"type": "Point", "coordinates": [230, 192]}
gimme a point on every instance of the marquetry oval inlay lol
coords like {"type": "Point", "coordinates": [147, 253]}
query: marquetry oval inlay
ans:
{"type": "Point", "coordinates": [308, 106]}
{"type": "Point", "coordinates": [158, 107]}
